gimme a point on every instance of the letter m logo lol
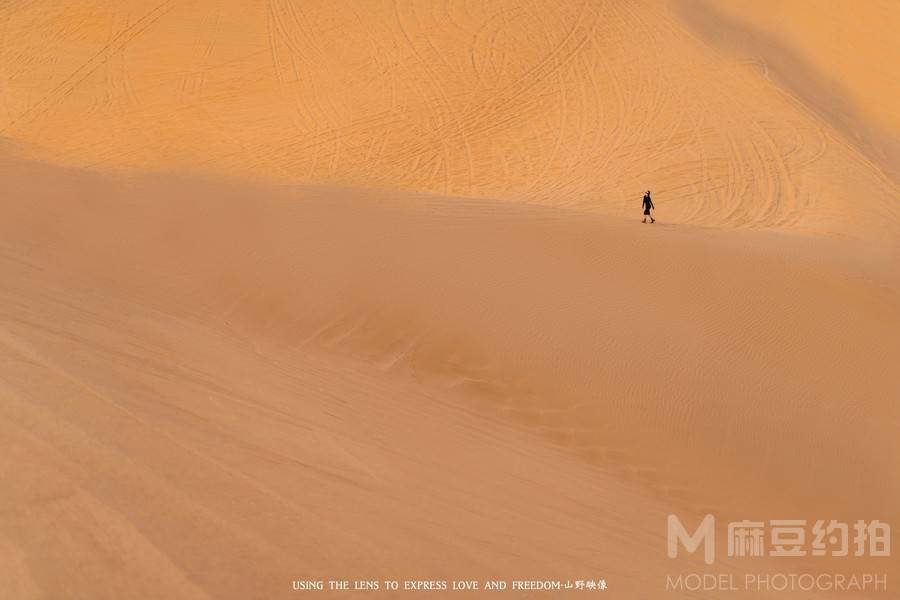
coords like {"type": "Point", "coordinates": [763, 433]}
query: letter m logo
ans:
{"type": "Point", "coordinates": [706, 533]}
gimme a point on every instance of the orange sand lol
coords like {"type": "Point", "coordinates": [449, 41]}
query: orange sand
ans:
{"type": "Point", "coordinates": [419, 332]}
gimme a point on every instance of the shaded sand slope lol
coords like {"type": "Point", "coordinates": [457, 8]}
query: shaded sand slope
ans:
{"type": "Point", "coordinates": [578, 104]}
{"type": "Point", "coordinates": [833, 56]}
{"type": "Point", "coordinates": [210, 390]}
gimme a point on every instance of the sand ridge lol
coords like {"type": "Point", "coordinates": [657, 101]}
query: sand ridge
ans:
{"type": "Point", "coordinates": [579, 104]}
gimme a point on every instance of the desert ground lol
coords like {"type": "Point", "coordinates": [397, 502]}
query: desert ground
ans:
{"type": "Point", "coordinates": [359, 290]}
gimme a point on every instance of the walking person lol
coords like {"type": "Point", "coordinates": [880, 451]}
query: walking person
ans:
{"type": "Point", "coordinates": [648, 206]}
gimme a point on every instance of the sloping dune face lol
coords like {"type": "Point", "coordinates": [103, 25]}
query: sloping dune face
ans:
{"type": "Point", "coordinates": [209, 391]}
{"type": "Point", "coordinates": [580, 104]}
{"type": "Point", "coordinates": [831, 59]}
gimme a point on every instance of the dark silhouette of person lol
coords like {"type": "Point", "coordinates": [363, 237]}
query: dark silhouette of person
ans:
{"type": "Point", "coordinates": [648, 206]}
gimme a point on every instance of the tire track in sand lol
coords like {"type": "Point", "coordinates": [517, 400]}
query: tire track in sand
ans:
{"type": "Point", "coordinates": [62, 90]}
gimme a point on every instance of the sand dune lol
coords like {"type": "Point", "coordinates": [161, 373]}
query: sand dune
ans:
{"type": "Point", "coordinates": [576, 104]}
{"type": "Point", "coordinates": [418, 332]}
{"type": "Point", "coordinates": [320, 381]}
{"type": "Point", "coordinates": [802, 46]}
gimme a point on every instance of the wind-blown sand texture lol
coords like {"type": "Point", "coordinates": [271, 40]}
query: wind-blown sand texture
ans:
{"type": "Point", "coordinates": [359, 289]}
